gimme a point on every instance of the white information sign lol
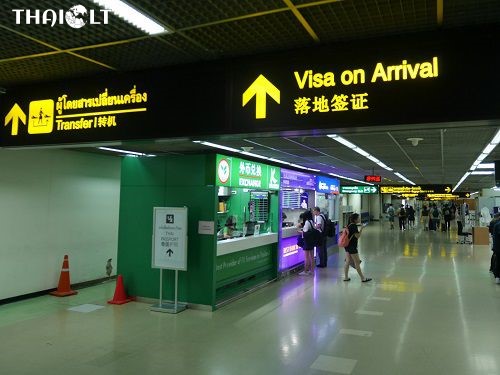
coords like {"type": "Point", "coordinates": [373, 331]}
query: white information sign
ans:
{"type": "Point", "coordinates": [206, 227]}
{"type": "Point", "coordinates": [170, 238]}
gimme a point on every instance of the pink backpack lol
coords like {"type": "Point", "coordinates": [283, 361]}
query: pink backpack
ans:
{"type": "Point", "coordinates": [344, 238]}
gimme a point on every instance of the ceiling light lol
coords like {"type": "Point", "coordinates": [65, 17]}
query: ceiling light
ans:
{"type": "Point", "coordinates": [350, 179]}
{"type": "Point", "coordinates": [486, 166]}
{"type": "Point", "coordinates": [134, 153]}
{"type": "Point", "coordinates": [482, 172]}
{"type": "Point", "coordinates": [360, 151]}
{"type": "Point", "coordinates": [461, 180]}
{"type": "Point", "coordinates": [404, 178]}
{"type": "Point", "coordinates": [132, 16]}
{"type": "Point", "coordinates": [490, 147]}
{"type": "Point", "coordinates": [476, 192]}
{"type": "Point", "coordinates": [496, 138]}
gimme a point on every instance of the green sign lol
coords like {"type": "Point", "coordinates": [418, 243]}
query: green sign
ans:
{"type": "Point", "coordinates": [358, 189]}
{"type": "Point", "coordinates": [236, 172]}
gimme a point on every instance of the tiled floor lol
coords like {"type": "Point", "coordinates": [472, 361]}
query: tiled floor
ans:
{"type": "Point", "coordinates": [432, 308]}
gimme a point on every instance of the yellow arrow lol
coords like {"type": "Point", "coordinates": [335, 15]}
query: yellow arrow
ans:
{"type": "Point", "coordinates": [259, 88]}
{"type": "Point", "coordinates": [14, 115]}
{"type": "Point", "coordinates": [447, 189]}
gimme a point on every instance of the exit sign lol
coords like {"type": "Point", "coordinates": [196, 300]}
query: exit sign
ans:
{"type": "Point", "coordinates": [373, 178]}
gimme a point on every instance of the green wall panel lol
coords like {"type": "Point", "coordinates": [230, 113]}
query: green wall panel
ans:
{"type": "Point", "coordinates": [143, 171]}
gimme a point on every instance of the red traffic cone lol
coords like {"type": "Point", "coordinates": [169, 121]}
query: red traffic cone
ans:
{"type": "Point", "coordinates": [120, 296]}
{"type": "Point", "coordinates": [64, 287]}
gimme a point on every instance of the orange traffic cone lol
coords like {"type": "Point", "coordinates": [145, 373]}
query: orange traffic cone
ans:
{"type": "Point", "coordinates": [120, 296]}
{"type": "Point", "coordinates": [64, 287]}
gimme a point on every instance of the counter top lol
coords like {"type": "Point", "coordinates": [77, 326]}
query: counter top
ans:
{"type": "Point", "coordinates": [233, 245]}
{"type": "Point", "coordinates": [289, 232]}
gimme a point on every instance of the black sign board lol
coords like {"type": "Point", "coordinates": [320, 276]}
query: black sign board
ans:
{"type": "Point", "coordinates": [420, 78]}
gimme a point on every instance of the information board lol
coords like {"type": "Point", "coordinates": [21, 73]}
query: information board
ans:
{"type": "Point", "coordinates": [170, 238]}
{"type": "Point", "coordinates": [356, 189]}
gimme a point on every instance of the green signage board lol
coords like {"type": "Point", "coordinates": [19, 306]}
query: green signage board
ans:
{"type": "Point", "coordinates": [355, 189]}
{"type": "Point", "coordinates": [236, 172]}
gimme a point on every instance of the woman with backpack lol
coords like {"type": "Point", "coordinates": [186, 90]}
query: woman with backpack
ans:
{"type": "Point", "coordinates": [309, 242]}
{"type": "Point", "coordinates": [351, 249]}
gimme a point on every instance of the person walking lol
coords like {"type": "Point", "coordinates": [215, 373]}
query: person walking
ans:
{"type": "Point", "coordinates": [410, 212]}
{"type": "Point", "coordinates": [319, 222]}
{"type": "Point", "coordinates": [496, 250]}
{"type": "Point", "coordinates": [447, 216]}
{"type": "Point", "coordinates": [425, 217]}
{"type": "Point", "coordinates": [435, 216]}
{"type": "Point", "coordinates": [391, 213]}
{"type": "Point", "coordinates": [351, 250]}
{"type": "Point", "coordinates": [402, 217]}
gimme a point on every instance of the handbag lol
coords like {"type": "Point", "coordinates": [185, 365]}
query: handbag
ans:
{"type": "Point", "coordinates": [300, 241]}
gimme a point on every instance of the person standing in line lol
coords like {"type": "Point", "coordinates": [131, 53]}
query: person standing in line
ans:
{"type": "Point", "coordinates": [308, 246]}
{"type": "Point", "coordinates": [435, 216]}
{"type": "Point", "coordinates": [319, 222]}
{"type": "Point", "coordinates": [425, 217]}
{"type": "Point", "coordinates": [391, 213]}
{"type": "Point", "coordinates": [447, 216]}
{"type": "Point", "coordinates": [493, 221]}
{"type": "Point", "coordinates": [402, 217]}
{"type": "Point", "coordinates": [351, 251]}
{"type": "Point", "coordinates": [496, 250]}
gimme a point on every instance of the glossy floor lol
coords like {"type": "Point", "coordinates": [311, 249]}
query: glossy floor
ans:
{"type": "Point", "coordinates": [432, 308]}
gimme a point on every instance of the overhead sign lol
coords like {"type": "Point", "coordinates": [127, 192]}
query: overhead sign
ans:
{"type": "Point", "coordinates": [315, 89]}
{"type": "Point", "coordinates": [355, 189]}
{"type": "Point", "coordinates": [372, 178]}
{"type": "Point", "coordinates": [416, 189]}
{"type": "Point", "coordinates": [327, 185]}
{"type": "Point", "coordinates": [294, 179]}
{"type": "Point", "coordinates": [170, 238]}
{"type": "Point", "coordinates": [236, 172]}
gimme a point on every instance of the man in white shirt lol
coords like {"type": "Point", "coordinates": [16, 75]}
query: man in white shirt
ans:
{"type": "Point", "coordinates": [319, 222]}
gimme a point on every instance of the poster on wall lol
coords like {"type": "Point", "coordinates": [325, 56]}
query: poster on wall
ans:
{"type": "Point", "coordinates": [170, 238]}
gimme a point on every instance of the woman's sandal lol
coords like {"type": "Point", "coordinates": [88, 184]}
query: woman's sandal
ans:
{"type": "Point", "coordinates": [348, 279]}
{"type": "Point", "coordinates": [366, 280]}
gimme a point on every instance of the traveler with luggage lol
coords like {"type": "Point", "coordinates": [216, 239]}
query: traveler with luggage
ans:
{"type": "Point", "coordinates": [351, 247]}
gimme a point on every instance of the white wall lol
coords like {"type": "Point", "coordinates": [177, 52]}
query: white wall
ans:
{"type": "Point", "coordinates": [52, 203]}
{"type": "Point", "coordinates": [355, 201]}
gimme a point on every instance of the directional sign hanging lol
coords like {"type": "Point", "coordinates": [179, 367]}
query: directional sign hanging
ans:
{"type": "Point", "coordinates": [357, 189]}
{"type": "Point", "coordinates": [416, 189]}
{"type": "Point", "coordinates": [15, 115]}
{"type": "Point", "coordinates": [260, 88]}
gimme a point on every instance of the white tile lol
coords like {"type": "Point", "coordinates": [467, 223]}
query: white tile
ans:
{"type": "Point", "coordinates": [355, 332]}
{"type": "Point", "coordinates": [86, 308]}
{"type": "Point", "coordinates": [334, 364]}
{"type": "Point", "coordinates": [367, 312]}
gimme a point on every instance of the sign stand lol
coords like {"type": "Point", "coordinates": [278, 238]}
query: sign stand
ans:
{"type": "Point", "coordinates": [169, 251]}
{"type": "Point", "coordinates": [168, 307]}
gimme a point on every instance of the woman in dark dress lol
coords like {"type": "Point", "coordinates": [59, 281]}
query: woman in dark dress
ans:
{"type": "Point", "coordinates": [351, 251]}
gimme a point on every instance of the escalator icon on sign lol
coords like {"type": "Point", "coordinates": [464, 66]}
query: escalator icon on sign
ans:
{"type": "Point", "coordinates": [41, 117]}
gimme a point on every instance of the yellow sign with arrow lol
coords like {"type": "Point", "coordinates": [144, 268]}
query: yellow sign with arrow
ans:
{"type": "Point", "coordinates": [15, 115]}
{"type": "Point", "coordinates": [260, 88]}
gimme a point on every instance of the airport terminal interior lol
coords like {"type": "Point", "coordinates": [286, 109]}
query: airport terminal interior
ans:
{"type": "Point", "coordinates": [181, 182]}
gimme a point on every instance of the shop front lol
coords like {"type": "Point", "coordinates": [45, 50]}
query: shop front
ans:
{"type": "Point", "coordinates": [329, 202]}
{"type": "Point", "coordinates": [297, 194]}
{"type": "Point", "coordinates": [247, 224]}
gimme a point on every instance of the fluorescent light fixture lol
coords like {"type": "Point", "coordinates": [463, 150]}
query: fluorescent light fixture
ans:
{"type": "Point", "coordinates": [360, 151]}
{"type": "Point", "coordinates": [461, 180]}
{"type": "Point", "coordinates": [496, 138]}
{"type": "Point", "coordinates": [482, 156]}
{"type": "Point", "coordinates": [350, 179]}
{"type": "Point", "coordinates": [404, 178]}
{"type": "Point", "coordinates": [132, 16]}
{"type": "Point", "coordinates": [482, 172]}
{"type": "Point", "coordinates": [476, 192]}
{"type": "Point", "coordinates": [134, 153]}
{"type": "Point", "coordinates": [490, 147]}
{"type": "Point", "coordinates": [251, 154]}
{"type": "Point", "coordinates": [486, 166]}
